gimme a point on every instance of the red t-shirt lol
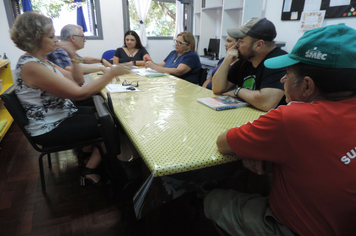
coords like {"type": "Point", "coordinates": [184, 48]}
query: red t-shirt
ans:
{"type": "Point", "coordinates": [312, 147]}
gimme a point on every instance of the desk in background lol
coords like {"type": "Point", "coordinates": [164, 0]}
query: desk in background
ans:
{"type": "Point", "coordinates": [173, 133]}
{"type": "Point", "coordinates": [209, 64]}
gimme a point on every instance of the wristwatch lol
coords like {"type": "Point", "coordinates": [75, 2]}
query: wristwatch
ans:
{"type": "Point", "coordinates": [236, 91]}
{"type": "Point", "coordinates": [134, 63]}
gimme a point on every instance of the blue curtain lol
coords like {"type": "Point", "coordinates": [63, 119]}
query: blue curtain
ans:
{"type": "Point", "coordinates": [80, 16]}
{"type": "Point", "coordinates": [26, 5]}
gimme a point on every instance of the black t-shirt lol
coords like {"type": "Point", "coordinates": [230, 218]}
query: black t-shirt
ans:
{"type": "Point", "coordinates": [123, 57]}
{"type": "Point", "coordinates": [245, 75]}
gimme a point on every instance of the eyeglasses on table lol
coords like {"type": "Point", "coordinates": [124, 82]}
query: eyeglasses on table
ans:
{"type": "Point", "coordinates": [126, 83]}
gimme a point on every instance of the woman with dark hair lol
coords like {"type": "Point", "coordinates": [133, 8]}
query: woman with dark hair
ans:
{"type": "Point", "coordinates": [46, 90]}
{"type": "Point", "coordinates": [182, 62]}
{"type": "Point", "coordinates": [132, 52]}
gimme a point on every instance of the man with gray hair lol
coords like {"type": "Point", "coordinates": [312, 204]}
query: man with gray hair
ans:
{"type": "Point", "coordinates": [74, 35]}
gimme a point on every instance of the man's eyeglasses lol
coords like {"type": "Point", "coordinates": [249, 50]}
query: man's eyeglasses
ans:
{"type": "Point", "coordinates": [126, 83]}
{"type": "Point", "coordinates": [82, 36]}
{"type": "Point", "coordinates": [179, 42]}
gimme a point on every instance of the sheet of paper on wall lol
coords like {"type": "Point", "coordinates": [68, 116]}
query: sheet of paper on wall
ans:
{"type": "Point", "coordinates": [118, 88]}
{"type": "Point", "coordinates": [336, 3]}
{"type": "Point", "coordinates": [287, 5]}
{"type": "Point", "coordinates": [311, 20]}
{"type": "Point", "coordinates": [312, 5]}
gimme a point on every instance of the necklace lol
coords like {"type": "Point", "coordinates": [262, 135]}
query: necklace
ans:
{"type": "Point", "coordinates": [131, 52]}
{"type": "Point", "coordinates": [176, 58]}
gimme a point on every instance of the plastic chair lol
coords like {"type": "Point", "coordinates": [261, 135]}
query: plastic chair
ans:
{"type": "Point", "coordinates": [108, 55]}
{"type": "Point", "coordinates": [16, 110]}
{"type": "Point", "coordinates": [202, 75]}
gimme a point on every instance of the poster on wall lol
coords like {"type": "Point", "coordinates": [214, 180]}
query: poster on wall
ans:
{"type": "Point", "coordinates": [339, 8]}
{"type": "Point", "coordinates": [293, 9]}
{"type": "Point", "coordinates": [311, 20]}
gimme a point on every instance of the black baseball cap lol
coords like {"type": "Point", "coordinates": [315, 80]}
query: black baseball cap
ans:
{"type": "Point", "coordinates": [259, 28]}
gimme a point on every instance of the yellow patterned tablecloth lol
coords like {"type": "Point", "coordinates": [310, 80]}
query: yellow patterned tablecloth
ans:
{"type": "Point", "coordinates": [172, 132]}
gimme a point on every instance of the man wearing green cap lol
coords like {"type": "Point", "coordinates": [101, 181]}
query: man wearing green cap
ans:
{"type": "Point", "coordinates": [253, 82]}
{"type": "Point", "coordinates": [310, 143]}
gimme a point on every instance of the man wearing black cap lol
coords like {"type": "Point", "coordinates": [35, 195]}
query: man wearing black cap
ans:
{"type": "Point", "coordinates": [254, 83]}
{"type": "Point", "coordinates": [310, 143]}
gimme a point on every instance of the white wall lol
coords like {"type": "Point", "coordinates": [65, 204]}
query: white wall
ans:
{"type": "Point", "coordinates": [113, 30]}
{"type": "Point", "coordinates": [287, 31]}
{"type": "Point", "coordinates": [111, 14]}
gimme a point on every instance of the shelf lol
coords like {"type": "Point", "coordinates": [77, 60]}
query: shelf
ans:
{"type": "Point", "coordinates": [211, 8]}
{"type": "Point", "coordinates": [4, 115]}
{"type": "Point", "coordinates": [7, 81]}
{"type": "Point", "coordinates": [4, 62]}
{"type": "Point", "coordinates": [234, 8]}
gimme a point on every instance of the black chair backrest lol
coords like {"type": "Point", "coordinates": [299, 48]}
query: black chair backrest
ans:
{"type": "Point", "coordinates": [18, 113]}
{"type": "Point", "coordinates": [107, 126]}
{"type": "Point", "coordinates": [202, 75]}
{"type": "Point", "coordinates": [14, 107]}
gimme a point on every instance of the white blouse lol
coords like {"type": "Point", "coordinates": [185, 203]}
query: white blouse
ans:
{"type": "Point", "coordinates": [44, 110]}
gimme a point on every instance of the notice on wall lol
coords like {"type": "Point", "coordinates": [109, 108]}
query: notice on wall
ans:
{"type": "Point", "coordinates": [336, 3]}
{"type": "Point", "coordinates": [311, 20]}
{"type": "Point", "coordinates": [312, 5]}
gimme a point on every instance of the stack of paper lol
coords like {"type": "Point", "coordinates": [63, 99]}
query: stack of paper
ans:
{"type": "Point", "coordinates": [148, 72]}
{"type": "Point", "coordinates": [118, 88]}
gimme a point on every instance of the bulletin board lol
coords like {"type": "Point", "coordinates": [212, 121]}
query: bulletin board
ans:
{"type": "Point", "coordinates": [292, 9]}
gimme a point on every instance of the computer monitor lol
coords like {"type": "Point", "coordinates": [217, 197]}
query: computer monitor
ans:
{"type": "Point", "coordinates": [214, 45]}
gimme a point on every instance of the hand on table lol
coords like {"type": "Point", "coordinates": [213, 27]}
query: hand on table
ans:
{"type": "Point", "coordinates": [230, 93]}
{"type": "Point", "coordinates": [106, 63]}
{"type": "Point", "coordinates": [149, 64]}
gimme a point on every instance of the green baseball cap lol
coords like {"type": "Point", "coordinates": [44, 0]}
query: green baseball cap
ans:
{"type": "Point", "coordinates": [332, 46]}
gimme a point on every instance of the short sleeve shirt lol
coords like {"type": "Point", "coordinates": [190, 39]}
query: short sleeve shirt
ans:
{"type": "Point", "coordinates": [60, 57]}
{"type": "Point", "coordinates": [243, 74]}
{"type": "Point", "coordinates": [190, 59]}
{"type": "Point", "coordinates": [121, 54]}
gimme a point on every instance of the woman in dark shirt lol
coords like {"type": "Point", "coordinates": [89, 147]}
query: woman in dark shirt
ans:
{"type": "Point", "coordinates": [132, 52]}
{"type": "Point", "coordinates": [182, 62]}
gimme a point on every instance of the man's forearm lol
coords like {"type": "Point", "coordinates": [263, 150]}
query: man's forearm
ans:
{"type": "Point", "coordinates": [265, 99]}
{"type": "Point", "coordinates": [87, 69]}
{"type": "Point", "coordinates": [220, 83]}
{"type": "Point", "coordinates": [91, 60]}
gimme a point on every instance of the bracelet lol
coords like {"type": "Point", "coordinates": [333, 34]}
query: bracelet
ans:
{"type": "Point", "coordinates": [77, 60]}
{"type": "Point", "coordinates": [101, 60]}
{"type": "Point", "coordinates": [134, 62]}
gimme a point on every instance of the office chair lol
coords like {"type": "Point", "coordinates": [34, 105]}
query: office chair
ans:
{"type": "Point", "coordinates": [202, 75]}
{"type": "Point", "coordinates": [108, 55]}
{"type": "Point", "coordinates": [16, 110]}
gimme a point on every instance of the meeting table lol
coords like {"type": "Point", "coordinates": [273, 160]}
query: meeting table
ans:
{"type": "Point", "coordinates": [174, 134]}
